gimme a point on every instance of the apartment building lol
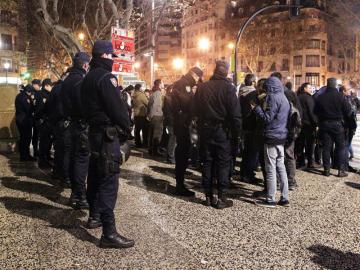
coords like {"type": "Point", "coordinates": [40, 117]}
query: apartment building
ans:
{"type": "Point", "coordinates": [309, 48]}
{"type": "Point", "coordinates": [167, 44]}
{"type": "Point", "coordinates": [12, 43]}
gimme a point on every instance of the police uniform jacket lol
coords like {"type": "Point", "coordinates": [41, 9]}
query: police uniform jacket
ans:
{"type": "Point", "coordinates": [53, 107]}
{"type": "Point", "coordinates": [41, 98]}
{"type": "Point", "coordinates": [24, 109]}
{"type": "Point", "coordinates": [181, 102]}
{"type": "Point", "coordinates": [101, 99]}
{"type": "Point", "coordinates": [70, 93]}
{"type": "Point", "coordinates": [216, 103]}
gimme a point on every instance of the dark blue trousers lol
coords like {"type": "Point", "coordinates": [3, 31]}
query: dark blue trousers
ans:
{"type": "Point", "coordinates": [103, 177]}
{"type": "Point", "coordinates": [79, 159]}
{"type": "Point", "coordinates": [45, 142]}
{"type": "Point", "coordinates": [250, 156]}
{"type": "Point", "coordinates": [24, 129]}
{"type": "Point", "coordinates": [62, 150]}
{"type": "Point", "coordinates": [215, 156]}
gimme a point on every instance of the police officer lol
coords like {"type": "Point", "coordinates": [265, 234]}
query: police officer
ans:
{"type": "Point", "coordinates": [54, 117]}
{"type": "Point", "coordinates": [219, 120]}
{"type": "Point", "coordinates": [24, 121]}
{"type": "Point", "coordinates": [36, 87]}
{"type": "Point", "coordinates": [109, 126]}
{"type": "Point", "coordinates": [332, 109]}
{"type": "Point", "coordinates": [182, 98]}
{"type": "Point", "coordinates": [77, 142]}
{"type": "Point", "coordinates": [45, 134]}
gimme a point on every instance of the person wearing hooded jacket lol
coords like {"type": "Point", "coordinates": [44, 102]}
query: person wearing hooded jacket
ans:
{"type": "Point", "coordinates": [275, 117]}
{"type": "Point", "coordinates": [219, 121]}
{"type": "Point", "coordinates": [181, 100]}
{"type": "Point", "coordinates": [247, 95]}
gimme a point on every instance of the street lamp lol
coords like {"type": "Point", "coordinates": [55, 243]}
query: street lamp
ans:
{"type": "Point", "coordinates": [6, 66]}
{"type": "Point", "coordinates": [178, 63]}
{"type": "Point", "coordinates": [231, 46]}
{"type": "Point", "coordinates": [204, 44]}
{"type": "Point", "coordinates": [81, 36]}
{"type": "Point", "coordinates": [137, 65]}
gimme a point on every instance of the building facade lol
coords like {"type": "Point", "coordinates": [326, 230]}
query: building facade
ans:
{"type": "Point", "coordinates": [12, 42]}
{"type": "Point", "coordinates": [167, 44]}
{"type": "Point", "coordinates": [308, 48]}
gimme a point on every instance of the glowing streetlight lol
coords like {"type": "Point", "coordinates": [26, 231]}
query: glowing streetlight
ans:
{"type": "Point", "coordinates": [81, 36]}
{"type": "Point", "coordinates": [339, 82]}
{"type": "Point", "coordinates": [137, 65]}
{"type": "Point", "coordinates": [204, 44]}
{"type": "Point", "coordinates": [231, 46]}
{"type": "Point", "coordinates": [178, 63]}
{"type": "Point", "coordinates": [156, 66]}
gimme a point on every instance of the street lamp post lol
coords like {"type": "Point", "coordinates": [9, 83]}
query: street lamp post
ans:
{"type": "Point", "coordinates": [6, 66]}
{"type": "Point", "coordinates": [247, 22]}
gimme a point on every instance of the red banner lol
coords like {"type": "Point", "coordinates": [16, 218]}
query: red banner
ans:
{"type": "Point", "coordinates": [124, 46]}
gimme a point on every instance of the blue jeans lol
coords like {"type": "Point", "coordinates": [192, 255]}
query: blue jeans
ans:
{"type": "Point", "coordinates": [274, 166]}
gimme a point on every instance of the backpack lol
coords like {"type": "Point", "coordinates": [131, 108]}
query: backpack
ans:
{"type": "Point", "coordinates": [294, 123]}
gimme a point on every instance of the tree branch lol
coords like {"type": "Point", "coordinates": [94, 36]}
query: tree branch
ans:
{"type": "Point", "coordinates": [55, 10]}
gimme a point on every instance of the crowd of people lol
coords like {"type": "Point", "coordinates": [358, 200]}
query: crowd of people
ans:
{"type": "Point", "coordinates": [88, 119]}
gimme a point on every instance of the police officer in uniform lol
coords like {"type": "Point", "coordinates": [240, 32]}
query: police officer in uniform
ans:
{"type": "Point", "coordinates": [181, 106]}
{"type": "Point", "coordinates": [45, 136]}
{"type": "Point", "coordinates": [24, 121]}
{"type": "Point", "coordinates": [109, 126]}
{"type": "Point", "coordinates": [54, 120]}
{"type": "Point", "coordinates": [36, 87]}
{"type": "Point", "coordinates": [219, 121]}
{"type": "Point", "coordinates": [332, 110]}
{"type": "Point", "coordinates": [78, 140]}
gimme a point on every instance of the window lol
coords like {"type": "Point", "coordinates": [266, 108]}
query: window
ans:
{"type": "Point", "coordinates": [313, 61]}
{"type": "Point", "coordinates": [298, 45]}
{"type": "Point", "coordinates": [313, 78]}
{"type": "Point", "coordinates": [298, 80]}
{"type": "Point", "coordinates": [348, 67]}
{"type": "Point", "coordinates": [6, 42]}
{"type": "Point", "coordinates": [298, 60]}
{"type": "Point", "coordinates": [285, 65]}
{"type": "Point", "coordinates": [313, 44]}
{"type": "Point", "coordinates": [323, 61]}
{"type": "Point", "coordinates": [272, 51]}
{"type": "Point", "coordinates": [323, 81]}
{"type": "Point", "coordinates": [341, 54]}
{"type": "Point", "coordinates": [330, 66]}
{"type": "Point", "coordinates": [313, 28]}
{"type": "Point", "coordinates": [323, 45]}
{"type": "Point", "coordinates": [299, 28]}
{"type": "Point", "coordinates": [349, 53]}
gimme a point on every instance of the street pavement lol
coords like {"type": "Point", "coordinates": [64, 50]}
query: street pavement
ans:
{"type": "Point", "coordinates": [38, 230]}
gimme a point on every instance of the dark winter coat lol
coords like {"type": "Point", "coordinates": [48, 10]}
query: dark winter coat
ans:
{"type": "Point", "coordinates": [24, 109]}
{"type": "Point", "coordinates": [331, 105]}
{"type": "Point", "coordinates": [248, 95]}
{"type": "Point", "coordinates": [307, 104]}
{"type": "Point", "coordinates": [276, 113]}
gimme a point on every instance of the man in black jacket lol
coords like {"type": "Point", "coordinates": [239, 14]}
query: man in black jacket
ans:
{"type": "Point", "coordinates": [109, 126]}
{"type": "Point", "coordinates": [332, 109]}
{"type": "Point", "coordinates": [248, 95]}
{"type": "Point", "coordinates": [45, 133]}
{"type": "Point", "coordinates": [308, 132]}
{"type": "Point", "coordinates": [76, 135]}
{"type": "Point", "coordinates": [182, 99]}
{"type": "Point", "coordinates": [24, 121]}
{"type": "Point", "coordinates": [219, 119]}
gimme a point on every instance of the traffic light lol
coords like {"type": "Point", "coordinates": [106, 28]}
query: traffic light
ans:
{"type": "Point", "coordinates": [294, 10]}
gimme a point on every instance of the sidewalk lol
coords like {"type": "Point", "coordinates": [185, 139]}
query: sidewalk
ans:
{"type": "Point", "coordinates": [39, 231]}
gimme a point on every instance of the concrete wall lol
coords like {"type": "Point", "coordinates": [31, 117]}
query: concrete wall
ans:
{"type": "Point", "coordinates": [8, 129]}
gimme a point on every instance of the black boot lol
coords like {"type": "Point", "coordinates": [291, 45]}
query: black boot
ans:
{"type": "Point", "coordinates": [73, 200]}
{"type": "Point", "coordinates": [342, 173]}
{"type": "Point", "coordinates": [94, 222]}
{"type": "Point", "coordinates": [81, 204]}
{"type": "Point", "coordinates": [210, 200]}
{"type": "Point", "coordinates": [223, 202]}
{"type": "Point", "coordinates": [183, 191]}
{"type": "Point", "coordinates": [326, 172]}
{"type": "Point", "coordinates": [112, 239]}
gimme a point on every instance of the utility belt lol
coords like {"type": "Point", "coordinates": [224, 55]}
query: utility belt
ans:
{"type": "Point", "coordinates": [107, 162]}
